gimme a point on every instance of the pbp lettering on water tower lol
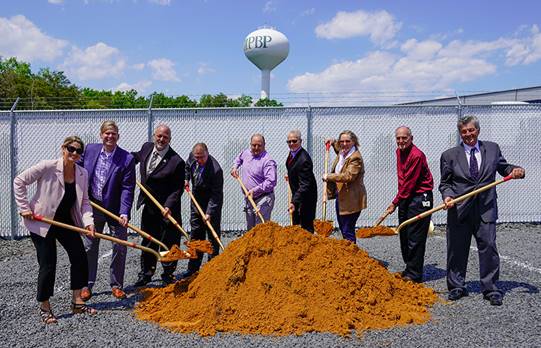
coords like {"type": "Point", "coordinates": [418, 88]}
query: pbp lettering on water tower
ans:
{"type": "Point", "coordinates": [259, 41]}
{"type": "Point", "coordinates": [266, 48]}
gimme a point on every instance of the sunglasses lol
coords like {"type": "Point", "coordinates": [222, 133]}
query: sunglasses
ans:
{"type": "Point", "coordinates": [73, 149]}
{"type": "Point", "coordinates": [294, 141]}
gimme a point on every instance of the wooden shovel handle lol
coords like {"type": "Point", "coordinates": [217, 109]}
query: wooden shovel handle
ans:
{"type": "Point", "coordinates": [162, 209]}
{"type": "Point", "coordinates": [251, 199]}
{"type": "Point", "coordinates": [381, 218]}
{"type": "Point", "coordinates": [326, 169]}
{"type": "Point", "coordinates": [135, 228]}
{"type": "Point", "coordinates": [204, 217]}
{"type": "Point", "coordinates": [454, 201]}
{"type": "Point", "coordinates": [289, 194]}
{"type": "Point", "coordinates": [98, 235]}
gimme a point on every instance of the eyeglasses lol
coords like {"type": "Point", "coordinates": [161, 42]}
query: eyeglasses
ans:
{"type": "Point", "coordinates": [73, 149]}
{"type": "Point", "coordinates": [294, 141]}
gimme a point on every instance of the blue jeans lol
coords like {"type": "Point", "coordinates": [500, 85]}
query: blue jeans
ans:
{"type": "Point", "coordinates": [347, 223]}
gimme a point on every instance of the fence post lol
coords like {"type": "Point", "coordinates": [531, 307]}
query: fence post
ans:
{"type": "Point", "coordinates": [459, 116]}
{"type": "Point", "coordinates": [13, 166]}
{"type": "Point", "coordinates": [150, 124]}
{"type": "Point", "coordinates": [309, 130]}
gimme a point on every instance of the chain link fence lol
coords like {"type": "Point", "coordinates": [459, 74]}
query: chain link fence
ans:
{"type": "Point", "coordinates": [26, 137]}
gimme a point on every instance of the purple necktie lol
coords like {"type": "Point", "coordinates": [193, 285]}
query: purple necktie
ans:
{"type": "Point", "coordinates": [474, 168]}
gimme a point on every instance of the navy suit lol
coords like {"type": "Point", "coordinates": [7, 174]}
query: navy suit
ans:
{"type": "Point", "coordinates": [475, 216]}
{"type": "Point", "coordinates": [117, 197]}
{"type": "Point", "coordinates": [300, 172]}
{"type": "Point", "coordinates": [165, 183]}
{"type": "Point", "coordinates": [208, 190]}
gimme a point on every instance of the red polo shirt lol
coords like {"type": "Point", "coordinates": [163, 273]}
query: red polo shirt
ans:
{"type": "Point", "coordinates": [414, 176]}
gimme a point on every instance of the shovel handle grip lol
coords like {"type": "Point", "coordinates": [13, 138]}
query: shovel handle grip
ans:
{"type": "Point", "coordinates": [134, 228]}
{"type": "Point", "coordinates": [454, 201]}
{"type": "Point", "coordinates": [250, 199]}
{"type": "Point", "coordinates": [162, 209]}
{"type": "Point", "coordinates": [96, 234]}
{"type": "Point", "coordinates": [204, 217]}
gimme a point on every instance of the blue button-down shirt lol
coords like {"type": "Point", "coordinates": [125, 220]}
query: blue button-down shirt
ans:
{"type": "Point", "coordinates": [101, 172]}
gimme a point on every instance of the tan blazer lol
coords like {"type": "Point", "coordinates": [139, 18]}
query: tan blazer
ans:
{"type": "Point", "coordinates": [348, 184]}
{"type": "Point", "coordinates": [49, 175]}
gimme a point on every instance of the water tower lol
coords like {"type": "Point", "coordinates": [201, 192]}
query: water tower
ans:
{"type": "Point", "coordinates": [266, 48]}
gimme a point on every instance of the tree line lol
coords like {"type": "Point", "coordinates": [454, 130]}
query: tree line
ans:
{"type": "Point", "coordinates": [51, 90]}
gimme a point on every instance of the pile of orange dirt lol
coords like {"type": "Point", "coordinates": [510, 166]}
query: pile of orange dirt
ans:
{"type": "Point", "coordinates": [174, 254]}
{"type": "Point", "coordinates": [374, 231]}
{"type": "Point", "coordinates": [283, 280]}
{"type": "Point", "coordinates": [202, 246]}
{"type": "Point", "coordinates": [323, 227]}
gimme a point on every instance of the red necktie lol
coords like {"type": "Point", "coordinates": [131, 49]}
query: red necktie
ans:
{"type": "Point", "coordinates": [289, 159]}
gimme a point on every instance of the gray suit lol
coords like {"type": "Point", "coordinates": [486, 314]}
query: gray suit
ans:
{"type": "Point", "coordinates": [475, 216]}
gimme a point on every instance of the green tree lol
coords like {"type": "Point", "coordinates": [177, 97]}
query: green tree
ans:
{"type": "Point", "coordinates": [268, 102]}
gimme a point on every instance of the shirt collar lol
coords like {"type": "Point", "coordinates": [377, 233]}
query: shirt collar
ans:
{"type": "Point", "coordinates": [161, 152]}
{"type": "Point", "coordinates": [352, 150]}
{"type": "Point", "coordinates": [468, 148]}
{"type": "Point", "coordinates": [294, 153]}
{"type": "Point", "coordinates": [108, 154]}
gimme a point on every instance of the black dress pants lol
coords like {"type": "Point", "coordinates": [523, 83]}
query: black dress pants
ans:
{"type": "Point", "coordinates": [46, 253]}
{"type": "Point", "coordinates": [413, 236]}
{"type": "Point", "coordinates": [153, 223]}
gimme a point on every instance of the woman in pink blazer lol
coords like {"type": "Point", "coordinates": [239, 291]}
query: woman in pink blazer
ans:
{"type": "Point", "coordinates": [61, 194]}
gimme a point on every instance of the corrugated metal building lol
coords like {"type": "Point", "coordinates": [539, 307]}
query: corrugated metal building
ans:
{"type": "Point", "coordinates": [528, 95]}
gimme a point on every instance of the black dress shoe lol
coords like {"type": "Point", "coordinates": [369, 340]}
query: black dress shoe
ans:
{"type": "Point", "coordinates": [495, 298]}
{"type": "Point", "coordinates": [186, 274]}
{"type": "Point", "coordinates": [168, 279]}
{"type": "Point", "coordinates": [142, 281]}
{"type": "Point", "coordinates": [456, 294]}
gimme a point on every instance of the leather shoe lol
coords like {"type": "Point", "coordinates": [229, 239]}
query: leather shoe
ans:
{"type": "Point", "coordinates": [186, 274]}
{"type": "Point", "coordinates": [495, 298]}
{"type": "Point", "coordinates": [118, 293]}
{"type": "Point", "coordinates": [168, 279]}
{"type": "Point", "coordinates": [142, 281]}
{"type": "Point", "coordinates": [86, 294]}
{"type": "Point", "coordinates": [456, 294]}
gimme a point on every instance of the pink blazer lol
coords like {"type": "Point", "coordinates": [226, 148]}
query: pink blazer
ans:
{"type": "Point", "coordinates": [49, 176]}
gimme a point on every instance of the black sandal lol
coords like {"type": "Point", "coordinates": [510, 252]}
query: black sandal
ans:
{"type": "Point", "coordinates": [82, 308]}
{"type": "Point", "coordinates": [47, 316]}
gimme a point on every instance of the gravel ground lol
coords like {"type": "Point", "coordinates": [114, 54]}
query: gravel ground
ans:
{"type": "Point", "coordinates": [469, 322]}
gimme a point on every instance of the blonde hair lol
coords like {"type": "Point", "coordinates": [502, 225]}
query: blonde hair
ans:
{"type": "Point", "coordinates": [73, 139]}
{"type": "Point", "coordinates": [352, 135]}
{"type": "Point", "coordinates": [108, 124]}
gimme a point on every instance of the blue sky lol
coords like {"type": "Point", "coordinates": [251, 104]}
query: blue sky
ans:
{"type": "Point", "coordinates": [341, 52]}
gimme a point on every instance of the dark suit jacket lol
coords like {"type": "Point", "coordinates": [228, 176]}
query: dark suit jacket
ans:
{"type": "Point", "coordinates": [117, 196]}
{"type": "Point", "coordinates": [456, 179]}
{"type": "Point", "coordinates": [209, 190]}
{"type": "Point", "coordinates": [165, 183]}
{"type": "Point", "coordinates": [301, 179]}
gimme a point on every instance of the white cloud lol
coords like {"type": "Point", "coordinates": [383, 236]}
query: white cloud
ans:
{"type": "Point", "coordinates": [140, 86]}
{"type": "Point", "coordinates": [139, 66]}
{"type": "Point", "coordinates": [204, 69]}
{"type": "Point", "coordinates": [56, 2]}
{"type": "Point", "coordinates": [160, 2]}
{"type": "Point", "coordinates": [424, 66]}
{"type": "Point", "coordinates": [526, 50]}
{"type": "Point", "coordinates": [380, 26]}
{"type": "Point", "coordinates": [95, 62]}
{"type": "Point", "coordinates": [308, 12]}
{"type": "Point", "coordinates": [20, 38]}
{"type": "Point", "coordinates": [269, 7]}
{"type": "Point", "coordinates": [163, 69]}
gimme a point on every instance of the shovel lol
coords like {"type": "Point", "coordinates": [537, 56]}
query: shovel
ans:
{"type": "Point", "coordinates": [251, 199]}
{"type": "Point", "coordinates": [204, 217]}
{"type": "Point", "coordinates": [289, 200]}
{"type": "Point", "coordinates": [324, 227]}
{"type": "Point", "coordinates": [165, 256]}
{"type": "Point", "coordinates": [136, 229]}
{"type": "Point", "coordinates": [454, 201]}
{"type": "Point", "coordinates": [199, 245]}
